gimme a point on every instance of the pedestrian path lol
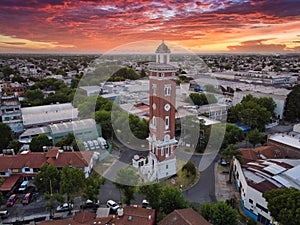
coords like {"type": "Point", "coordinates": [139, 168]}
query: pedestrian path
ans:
{"type": "Point", "coordinates": [223, 189]}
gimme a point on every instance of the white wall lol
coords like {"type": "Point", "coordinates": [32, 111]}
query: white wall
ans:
{"type": "Point", "coordinates": [248, 192]}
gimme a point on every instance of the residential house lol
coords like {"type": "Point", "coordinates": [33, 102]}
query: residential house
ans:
{"type": "Point", "coordinates": [184, 217]}
{"type": "Point", "coordinates": [15, 168]}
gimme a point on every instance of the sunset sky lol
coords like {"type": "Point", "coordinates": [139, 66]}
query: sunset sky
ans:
{"type": "Point", "coordinates": [97, 26]}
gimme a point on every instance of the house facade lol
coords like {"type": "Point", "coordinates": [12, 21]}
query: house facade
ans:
{"type": "Point", "coordinates": [254, 178]}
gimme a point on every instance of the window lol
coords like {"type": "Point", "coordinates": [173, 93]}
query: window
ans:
{"type": "Point", "coordinates": [26, 169]}
{"type": "Point", "coordinates": [167, 122]}
{"type": "Point", "coordinates": [167, 90]}
{"type": "Point", "coordinates": [154, 89]}
{"type": "Point", "coordinates": [167, 166]}
{"type": "Point", "coordinates": [262, 208]}
{"type": "Point", "coordinates": [154, 121]}
{"type": "Point", "coordinates": [250, 201]}
{"type": "Point", "coordinates": [167, 151]}
{"type": "Point", "coordinates": [162, 74]}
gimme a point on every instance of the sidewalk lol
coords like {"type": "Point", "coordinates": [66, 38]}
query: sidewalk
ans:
{"type": "Point", "coordinates": [223, 190]}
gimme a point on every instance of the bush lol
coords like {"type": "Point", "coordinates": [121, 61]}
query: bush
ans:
{"type": "Point", "coordinates": [189, 168]}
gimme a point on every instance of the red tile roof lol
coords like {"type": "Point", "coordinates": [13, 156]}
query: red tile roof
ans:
{"type": "Point", "coordinates": [9, 182]}
{"type": "Point", "coordinates": [138, 215]}
{"type": "Point", "coordinates": [184, 217]}
{"type": "Point", "coordinates": [6, 162]}
{"type": "Point", "coordinates": [52, 152]}
{"type": "Point", "coordinates": [248, 155]}
{"type": "Point", "coordinates": [84, 217]}
{"type": "Point", "coordinates": [76, 159]}
{"type": "Point", "coordinates": [270, 152]}
{"type": "Point", "coordinates": [262, 186]}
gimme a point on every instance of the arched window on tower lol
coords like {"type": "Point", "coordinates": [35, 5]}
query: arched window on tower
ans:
{"type": "Point", "coordinates": [167, 151]}
{"type": "Point", "coordinates": [167, 123]}
{"type": "Point", "coordinates": [154, 122]}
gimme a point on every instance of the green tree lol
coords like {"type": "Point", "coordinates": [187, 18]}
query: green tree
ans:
{"type": "Point", "coordinates": [34, 97]}
{"type": "Point", "coordinates": [255, 137]}
{"type": "Point", "coordinates": [292, 106]}
{"type": "Point", "coordinates": [37, 143]}
{"type": "Point", "coordinates": [152, 193]}
{"type": "Point", "coordinates": [51, 200]}
{"type": "Point", "coordinates": [7, 70]}
{"type": "Point", "coordinates": [230, 151]}
{"type": "Point", "coordinates": [233, 135]}
{"type": "Point", "coordinates": [219, 213]}
{"type": "Point", "coordinates": [143, 73]}
{"type": "Point", "coordinates": [172, 199]}
{"type": "Point", "coordinates": [284, 205]}
{"type": "Point", "coordinates": [70, 140]}
{"type": "Point", "coordinates": [16, 145]}
{"type": "Point", "coordinates": [206, 210]}
{"type": "Point", "coordinates": [252, 112]}
{"type": "Point", "coordinates": [103, 117]}
{"type": "Point", "coordinates": [126, 181]}
{"type": "Point", "coordinates": [228, 154]}
{"type": "Point", "coordinates": [190, 169]}
{"type": "Point", "coordinates": [224, 214]}
{"type": "Point", "coordinates": [71, 181]}
{"type": "Point", "coordinates": [87, 108]}
{"type": "Point", "coordinates": [92, 187]}
{"type": "Point", "coordinates": [6, 135]}
{"type": "Point", "coordinates": [138, 127]}
{"type": "Point", "coordinates": [48, 179]}
{"type": "Point", "coordinates": [123, 74]}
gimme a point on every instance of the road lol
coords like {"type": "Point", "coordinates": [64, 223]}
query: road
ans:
{"type": "Point", "coordinates": [202, 191]}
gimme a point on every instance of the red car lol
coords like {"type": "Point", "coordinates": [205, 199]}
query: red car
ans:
{"type": "Point", "coordinates": [27, 198]}
{"type": "Point", "coordinates": [12, 199]}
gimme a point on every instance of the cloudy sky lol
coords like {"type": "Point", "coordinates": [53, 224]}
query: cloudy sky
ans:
{"type": "Point", "coordinates": [100, 25]}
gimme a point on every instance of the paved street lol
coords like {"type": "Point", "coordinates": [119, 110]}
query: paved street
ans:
{"type": "Point", "coordinates": [203, 191]}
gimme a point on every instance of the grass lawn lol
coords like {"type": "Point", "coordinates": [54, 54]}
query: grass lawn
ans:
{"type": "Point", "coordinates": [182, 178]}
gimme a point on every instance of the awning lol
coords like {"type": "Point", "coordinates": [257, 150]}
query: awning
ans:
{"type": "Point", "coordinates": [10, 182]}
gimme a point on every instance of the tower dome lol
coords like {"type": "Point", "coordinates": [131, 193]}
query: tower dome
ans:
{"type": "Point", "coordinates": [163, 48]}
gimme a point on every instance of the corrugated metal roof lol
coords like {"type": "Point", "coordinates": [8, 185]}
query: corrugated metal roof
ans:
{"type": "Point", "coordinates": [286, 139]}
{"type": "Point", "coordinates": [48, 113]}
{"type": "Point", "coordinates": [72, 126]}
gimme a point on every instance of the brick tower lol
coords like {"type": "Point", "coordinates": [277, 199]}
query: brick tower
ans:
{"type": "Point", "coordinates": [162, 144]}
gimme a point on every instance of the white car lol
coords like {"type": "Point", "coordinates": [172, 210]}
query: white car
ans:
{"type": "Point", "coordinates": [64, 207]}
{"type": "Point", "coordinates": [112, 205]}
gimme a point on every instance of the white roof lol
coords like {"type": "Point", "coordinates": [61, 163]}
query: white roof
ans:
{"type": "Point", "coordinates": [290, 178]}
{"type": "Point", "coordinates": [91, 88]}
{"type": "Point", "coordinates": [34, 131]}
{"type": "Point", "coordinates": [286, 139]}
{"type": "Point", "coordinates": [48, 113]}
{"type": "Point", "coordinates": [208, 121]}
{"type": "Point", "coordinates": [72, 126]}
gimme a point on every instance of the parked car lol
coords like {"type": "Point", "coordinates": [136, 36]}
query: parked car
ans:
{"type": "Point", "coordinates": [89, 204]}
{"type": "Point", "coordinates": [27, 198]}
{"type": "Point", "coordinates": [4, 214]}
{"type": "Point", "coordinates": [24, 185]}
{"type": "Point", "coordinates": [223, 162]}
{"type": "Point", "coordinates": [11, 200]}
{"type": "Point", "coordinates": [112, 205]}
{"type": "Point", "coordinates": [145, 204]}
{"type": "Point", "coordinates": [64, 207]}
